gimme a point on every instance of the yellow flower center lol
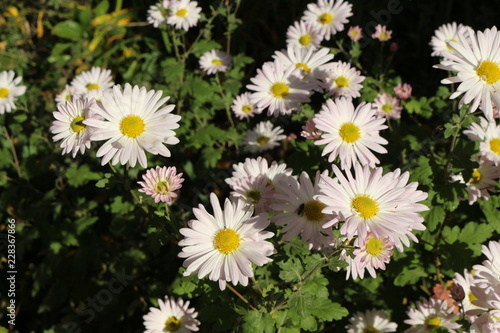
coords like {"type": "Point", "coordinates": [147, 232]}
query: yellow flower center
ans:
{"type": "Point", "coordinates": [4, 92]}
{"type": "Point", "coordinates": [246, 108]}
{"type": "Point", "coordinates": [304, 67]}
{"type": "Point", "coordinates": [488, 71]}
{"type": "Point", "coordinates": [387, 108]}
{"type": "Point", "coordinates": [262, 140]}
{"type": "Point", "coordinates": [226, 241]}
{"type": "Point", "coordinates": [370, 329]}
{"type": "Point", "coordinates": [312, 210]}
{"type": "Point", "coordinates": [165, 12]}
{"type": "Point", "coordinates": [341, 81]}
{"type": "Point", "coordinates": [181, 12]}
{"type": "Point", "coordinates": [382, 36]}
{"type": "Point", "coordinates": [325, 18]}
{"type": "Point", "coordinates": [216, 62]}
{"type": "Point", "coordinates": [77, 125]}
{"type": "Point", "coordinates": [172, 324]}
{"type": "Point", "coordinates": [472, 297]}
{"type": "Point", "coordinates": [68, 97]}
{"type": "Point", "coordinates": [254, 195]}
{"type": "Point", "coordinates": [495, 145]}
{"type": "Point", "coordinates": [162, 187]}
{"type": "Point", "coordinates": [304, 40]}
{"type": "Point", "coordinates": [448, 45]}
{"type": "Point", "coordinates": [279, 90]}
{"type": "Point", "coordinates": [475, 177]}
{"type": "Point", "coordinates": [132, 126]}
{"type": "Point", "coordinates": [92, 86]}
{"type": "Point", "coordinates": [365, 206]}
{"type": "Point", "coordinates": [349, 132]}
{"type": "Point", "coordinates": [433, 321]}
{"type": "Point", "coordinates": [374, 246]}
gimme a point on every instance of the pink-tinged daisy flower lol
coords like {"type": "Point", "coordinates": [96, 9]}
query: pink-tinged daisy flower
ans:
{"type": "Point", "coordinates": [9, 90]}
{"type": "Point", "coordinates": [350, 133]}
{"type": "Point", "coordinates": [403, 90]}
{"type": "Point", "coordinates": [488, 273]}
{"type": "Point", "coordinates": [263, 137]}
{"type": "Point", "coordinates": [184, 14]}
{"type": "Point", "coordinates": [371, 253]}
{"type": "Point", "coordinates": [478, 68]}
{"type": "Point", "coordinates": [309, 131]}
{"type": "Point", "coordinates": [381, 33]}
{"type": "Point", "coordinates": [134, 121]}
{"type": "Point", "coordinates": [69, 126]}
{"type": "Point", "coordinates": [278, 90]}
{"type": "Point", "coordinates": [225, 244]}
{"type": "Point", "coordinates": [488, 133]}
{"type": "Point", "coordinates": [300, 213]}
{"type": "Point", "coordinates": [443, 35]}
{"type": "Point", "coordinates": [171, 316]}
{"type": "Point", "coordinates": [158, 13]}
{"type": "Point", "coordinates": [369, 202]}
{"type": "Point", "coordinates": [355, 33]}
{"type": "Point", "coordinates": [430, 314]}
{"type": "Point", "coordinates": [254, 191]}
{"type": "Point", "coordinates": [342, 80]}
{"type": "Point", "coordinates": [215, 61]}
{"type": "Point", "coordinates": [66, 94]}
{"type": "Point", "coordinates": [387, 106]}
{"type": "Point", "coordinates": [329, 16]}
{"type": "Point", "coordinates": [467, 282]}
{"type": "Point", "coordinates": [485, 323]}
{"type": "Point", "coordinates": [258, 167]}
{"type": "Point", "coordinates": [304, 35]}
{"type": "Point", "coordinates": [371, 321]}
{"type": "Point", "coordinates": [93, 83]}
{"type": "Point", "coordinates": [484, 180]}
{"type": "Point", "coordinates": [161, 184]}
{"type": "Point", "coordinates": [243, 108]}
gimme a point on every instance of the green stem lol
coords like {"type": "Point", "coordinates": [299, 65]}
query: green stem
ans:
{"type": "Point", "coordinates": [241, 297]}
{"type": "Point", "coordinates": [166, 41]}
{"type": "Point", "coordinates": [223, 95]}
{"type": "Point", "coordinates": [118, 5]}
{"type": "Point", "coordinates": [14, 154]}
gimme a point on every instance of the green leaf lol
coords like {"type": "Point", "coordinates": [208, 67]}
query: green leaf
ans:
{"type": "Point", "coordinates": [434, 217]}
{"type": "Point", "coordinates": [102, 8]}
{"type": "Point", "coordinates": [327, 310]}
{"type": "Point", "coordinates": [85, 16]}
{"type": "Point", "coordinates": [491, 210]}
{"type": "Point", "coordinates": [80, 175]}
{"type": "Point", "coordinates": [258, 322]}
{"type": "Point", "coordinates": [69, 30]}
{"type": "Point", "coordinates": [423, 172]}
{"type": "Point", "coordinates": [204, 45]}
{"type": "Point", "coordinates": [474, 235]}
{"type": "Point", "coordinates": [291, 270]}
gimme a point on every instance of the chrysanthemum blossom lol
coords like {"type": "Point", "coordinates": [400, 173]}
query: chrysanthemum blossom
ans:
{"type": "Point", "coordinates": [225, 244]}
{"type": "Point", "coordinates": [387, 106]}
{"type": "Point", "coordinates": [300, 213]}
{"type": "Point", "coordinates": [342, 80]}
{"type": "Point", "coordinates": [443, 35]}
{"type": "Point", "coordinates": [403, 90]}
{"type": "Point", "coordinates": [134, 122]}
{"type": "Point", "coordinates": [171, 316]}
{"type": "Point", "coordinates": [488, 272]}
{"type": "Point", "coordinates": [371, 253]}
{"type": "Point", "coordinates": [466, 281]}
{"type": "Point", "coordinates": [279, 90]}
{"type": "Point", "coordinates": [66, 94]}
{"type": "Point", "coordinates": [93, 83]}
{"type": "Point", "coordinates": [430, 314]}
{"type": "Point", "coordinates": [355, 33]}
{"type": "Point", "coordinates": [254, 191]}
{"type": "Point", "coordinates": [371, 321]}
{"type": "Point", "coordinates": [158, 13]}
{"type": "Point", "coordinates": [368, 202]}
{"type": "Point", "coordinates": [254, 167]}
{"type": "Point", "coordinates": [69, 126]}
{"type": "Point", "coordinates": [478, 69]}
{"type": "Point", "coordinates": [483, 180]}
{"type": "Point", "coordinates": [263, 137]}
{"type": "Point", "coordinates": [184, 14]}
{"type": "Point", "coordinates": [10, 90]}
{"type": "Point", "coordinates": [243, 108]}
{"type": "Point", "coordinates": [488, 134]}
{"type": "Point", "coordinates": [329, 16]}
{"type": "Point", "coordinates": [161, 183]}
{"type": "Point", "coordinates": [350, 133]}
{"type": "Point", "coordinates": [304, 35]}
{"type": "Point", "coordinates": [381, 33]}
{"type": "Point", "coordinates": [215, 61]}
{"type": "Point", "coordinates": [309, 130]}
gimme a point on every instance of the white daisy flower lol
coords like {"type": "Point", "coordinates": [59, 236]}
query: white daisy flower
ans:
{"type": "Point", "coordinates": [215, 61]}
{"type": "Point", "coordinates": [488, 133]}
{"type": "Point", "coordinates": [158, 13]}
{"type": "Point", "coordinates": [184, 14]}
{"type": "Point", "coordinates": [135, 121]}
{"type": "Point", "coordinates": [66, 94]}
{"type": "Point", "coordinates": [443, 35]}
{"type": "Point", "coordinates": [225, 244]}
{"type": "Point", "coordinates": [171, 316]}
{"type": "Point", "coordinates": [263, 137]}
{"type": "Point", "coordinates": [381, 33]}
{"type": "Point", "coordinates": [161, 183]}
{"type": "Point", "coordinates": [329, 16]}
{"type": "Point", "coordinates": [384, 205]}
{"type": "Point", "coordinates": [355, 33]}
{"type": "Point", "coordinates": [93, 83]}
{"type": "Point", "coordinates": [340, 79]}
{"type": "Point", "coordinates": [484, 180]}
{"type": "Point", "coordinates": [371, 321]}
{"type": "Point", "coordinates": [254, 191]}
{"type": "Point", "coordinates": [300, 213]}
{"type": "Point", "coordinates": [278, 90]}
{"type": "Point", "coordinates": [430, 314]}
{"type": "Point", "coordinates": [243, 108]}
{"type": "Point", "coordinates": [69, 126]}
{"type": "Point", "coordinates": [258, 167]}
{"type": "Point", "coordinates": [350, 133]}
{"type": "Point", "coordinates": [387, 106]}
{"type": "Point", "coordinates": [478, 68]}
{"type": "Point", "coordinates": [466, 281]}
{"type": "Point", "coordinates": [304, 35]}
{"type": "Point", "coordinates": [371, 253]}
{"type": "Point", "coordinates": [9, 90]}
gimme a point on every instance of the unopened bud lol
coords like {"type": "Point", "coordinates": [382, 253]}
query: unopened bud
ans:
{"type": "Point", "coordinates": [457, 292]}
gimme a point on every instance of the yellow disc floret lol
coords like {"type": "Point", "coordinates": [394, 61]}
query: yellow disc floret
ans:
{"type": "Point", "coordinates": [349, 132]}
{"type": "Point", "coordinates": [432, 321]}
{"type": "Point", "coordinates": [475, 177]}
{"type": "Point", "coordinates": [92, 86]}
{"type": "Point", "coordinates": [172, 324]}
{"type": "Point", "coordinates": [246, 108]}
{"type": "Point", "coordinates": [312, 210]}
{"type": "Point", "coordinates": [304, 40]}
{"type": "Point", "coordinates": [365, 206]}
{"type": "Point", "coordinates": [304, 67]}
{"type": "Point", "coordinates": [226, 241]}
{"type": "Point", "coordinates": [325, 18]}
{"type": "Point", "coordinates": [4, 92]}
{"type": "Point", "coordinates": [77, 125]}
{"type": "Point", "coordinates": [132, 126]}
{"type": "Point", "coordinates": [387, 108]}
{"type": "Point", "coordinates": [181, 12]}
{"type": "Point", "coordinates": [488, 71]}
{"type": "Point", "coordinates": [279, 90]}
{"type": "Point", "coordinates": [495, 145]}
{"type": "Point", "coordinates": [374, 246]}
{"type": "Point", "coordinates": [254, 195]}
{"type": "Point", "coordinates": [216, 62]}
{"type": "Point", "coordinates": [341, 82]}
{"type": "Point", "coordinates": [370, 329]}
{"type": "Point", "coordinates": [262, 140]}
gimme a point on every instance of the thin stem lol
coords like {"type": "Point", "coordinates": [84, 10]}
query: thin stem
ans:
{"type": "Point", "coordinates": [118, 5]}
{"type": "Point", "coordinates": [223, 95]}
{"type": "Point", "coordinates": [166, 41]}
{"type": "Point", "coordinates": [14, 154]}
{"type": "Point", "coordinates": [241, 297]}
{"type": "Point", "coordinates": [256, 285]}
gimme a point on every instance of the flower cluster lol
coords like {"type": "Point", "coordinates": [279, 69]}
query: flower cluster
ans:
{"type": "Point", "coordinates": [181, 14]}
